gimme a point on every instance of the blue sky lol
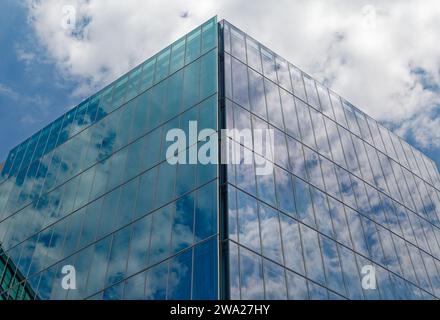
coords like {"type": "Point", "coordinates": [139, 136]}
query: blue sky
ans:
{"type": "Point", "coordinates": [29, 96]}
{"type": "Point", "coordinates": [383, 57]}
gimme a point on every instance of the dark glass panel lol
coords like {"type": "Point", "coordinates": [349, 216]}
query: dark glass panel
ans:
{"type": "Point", "coordinates": [205, 271]}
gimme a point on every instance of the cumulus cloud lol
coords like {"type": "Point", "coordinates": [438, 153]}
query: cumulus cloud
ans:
{"type": "Point", "coordinates": [381, 56]}
{"type": "Point", "coordinates": [424, 128]}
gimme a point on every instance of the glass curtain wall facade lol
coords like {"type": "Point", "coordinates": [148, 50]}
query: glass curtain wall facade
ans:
{"type": "Point", "coordinates": [345, 192]}
{"type": "Point", "coordinates": [94, 190]}
{"type": "Point", "coordinates": [11, 278]}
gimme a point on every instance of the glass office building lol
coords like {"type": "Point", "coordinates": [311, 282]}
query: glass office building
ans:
{"type": "Point", "coordinates": [12, 278]}
{"type": "Point", "coordinates": [94, 190]}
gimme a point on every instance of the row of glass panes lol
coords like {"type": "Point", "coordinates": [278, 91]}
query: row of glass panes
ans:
{"type": "Point", "coordinates": [173, 58]}
{"type": "Point", "coordinates": [238, 85]}
{"type": "Point", "coordinates": [195, 82]}
{"type": "Point", "coordinates": [59, 203]}
{"type": "Point", "coordinates": [120, 206]}
{"type": "Point", "coordinates": [330, 139]}
{"type": "Point", "coordinates": [103, 264]}
{"type": "Point", "coordinates": [255, 277]}
{"type": "Point", "coordinates": [256, 225]}
{"type": "Point", "coordinates": [303, 86]}
{"type": "Point", "coordinates": [357, 196]}
{"type": "Point", "coordinates": [123, 165]}
{"type": "Point", "coordinates": [8, 279]}
{"type": "Point", "coordinates": [122, 169]}
{"type": "Point", "coordinates": [339, 183]}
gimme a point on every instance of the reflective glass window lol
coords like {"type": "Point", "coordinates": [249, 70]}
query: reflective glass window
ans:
{"type": "Point", "coordinates": [139, 245]}
{"type": "Point", "coordinates": [351, 273]}
{"type": "Point", "coordinates": [118, 256]}
{"type": "Point", "coordinates": [270, 233]}
{"type": "Point", "coordinates": [256, 94]}
{"type": "Point", "coordinates": [305, 124]}
{"type": "Point", "coordinates": [179, 277]}
{"type": "Point", "coordinates": [156, 282]}
{"type": "Point", "coordinates": [248, 222]}
{"type": "Point", "coordinates": [162, 65]}
{"type": "Point", "coordinates": [209, 35]}
{"type": "Point", "coordinates": [193, 43]}
{"type": "Point", "coordinates": [284, 191]}
{"type": "Point", "coordinates": [351, 117]}
{"type": "Point", "coordinates": [251, 276]}
{"type": "Point", "coordinates": [208, 79]}
{"type": "Point", "coordinates": [269, 66]}
{"type": "Point", "coordinates": [147, 74]}
{"type": "Point", "coordinates": [274, 281]}
{"type": "Point", "coordinates": [273, 104]}
{"type": "Point", "coordinates": [312, 255]}
{"type": "Point", "coordinates": [240, 83]}
{"type": "Point", "coordinates": [338, 109]}
{"type": "Point", "coordinates": [161, 233]}
{"type": "Point", "coordinates": [292, 246]}
{"type": "Point", "coordinates": [253, 54]}
{"type": "Point", "coordinates": [296, 157]}
{"type": "Point", "coordinates": [183, 224]}
{"type": "Point", "coordinates": [296, 286]}
{"type": "Point", "coordinates": [205, 271]}
{"type": "Point", "coordinates": [297, 83]}
{"type": "Point", "coordinates": [238, 48]}
{"type": "Point", "coordinates": [289, 112]}
{"type": "Point", "coordinates": [177, 55]}
{"type": "Point", "coordinates": [312, 94]}
{"type": "Point", "coordinates": [205, 215]}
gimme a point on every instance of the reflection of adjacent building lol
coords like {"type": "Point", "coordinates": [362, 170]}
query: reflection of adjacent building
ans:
{"type": "Point", "coordinates": [94, 189]}
{"type": "Point", "coordinates": [11, 277]}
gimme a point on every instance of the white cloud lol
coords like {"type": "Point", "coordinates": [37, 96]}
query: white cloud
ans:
{"type": "Point", "coordinates": [424, 128]}
{"type": "Point", "coordinates": [8, 92]}
{"type": "Point", "coordinates": [25, 56]}
{"type": "Point", "coordinates": [117, 37]}
{"type": "Point", "coordinates": [371, 52]}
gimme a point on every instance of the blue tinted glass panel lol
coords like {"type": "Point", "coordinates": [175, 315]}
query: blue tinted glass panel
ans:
{"type": "Point", "coordinates": [179, 277]}
{"type": "Point", "coordinates": [205, 271]}
{"type": "Point", "coordinates": [251, 276]}
{"type": "Point", "coordinates": [205, 214]}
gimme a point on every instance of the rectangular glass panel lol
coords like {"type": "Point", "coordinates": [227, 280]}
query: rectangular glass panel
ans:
{"type": "Point", "coordinates": [162, 65]}
{"type": "Point", "coordinates": [193, 44]}
{"type": "Point", "coordinates": [253, 54]}
{"type": "Point", "coordinates": [269, 66]}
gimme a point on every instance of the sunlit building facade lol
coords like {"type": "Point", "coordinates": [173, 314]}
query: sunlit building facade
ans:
{"type": "Point", "coordinates": [94, 190]}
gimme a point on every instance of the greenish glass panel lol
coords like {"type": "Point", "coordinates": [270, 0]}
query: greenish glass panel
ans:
{"type": "Point", "coordinates": [208, 81]}
{"type": "Point", "coordinates": [147, 74]}
{"type": "Point", "coordinates": [177, 55]}
{"type": "Point", "coordinates": [191, 84]}
{"type": "Point", "coordinates": [209, 35]}
{"type": "Point", "coordinates": [162, 65]}
{"type": "Point", "coordinates": [193, 45]}
{"type": "Point", "coordinates": [133, 83]}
